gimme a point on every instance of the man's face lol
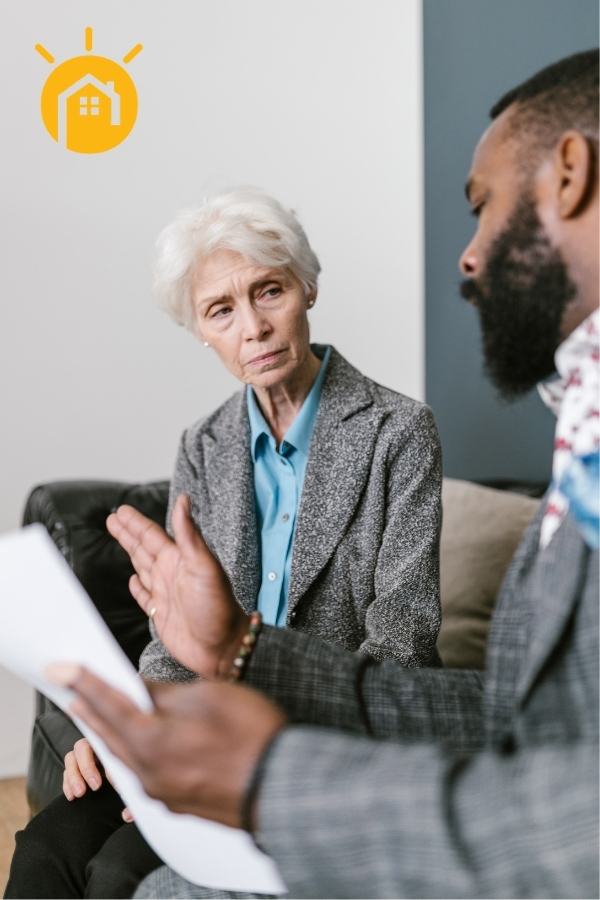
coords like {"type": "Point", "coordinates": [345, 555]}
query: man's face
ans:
{"type": "Point", "coordinates": [515, 276]}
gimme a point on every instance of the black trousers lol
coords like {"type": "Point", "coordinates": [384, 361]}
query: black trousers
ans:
{"type": "Point", "coordinates": [80, 848]}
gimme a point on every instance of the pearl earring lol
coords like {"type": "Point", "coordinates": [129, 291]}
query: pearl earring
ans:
{"type": "Point", "coordinates": [206, 344]}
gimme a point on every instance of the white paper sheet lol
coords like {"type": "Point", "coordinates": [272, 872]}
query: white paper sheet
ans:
{"type": "Point", "coordinates": [46, 617]}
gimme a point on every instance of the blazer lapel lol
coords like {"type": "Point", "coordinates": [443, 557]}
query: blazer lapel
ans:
{"type": "Point", "coordinates": [232, 529]}
{"type": "Point", "coordinates": [554, 588]}
{"type": "Point", "coordinates": [339, 463]}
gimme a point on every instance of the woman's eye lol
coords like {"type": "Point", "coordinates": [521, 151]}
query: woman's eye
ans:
{"type": "Point", "coordinates": [221, 312]}
{"type": "Point", "coordinates": [271, 292]}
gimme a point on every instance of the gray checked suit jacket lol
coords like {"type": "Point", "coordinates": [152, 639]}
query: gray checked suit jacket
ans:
{"type": "Point", "coordinates": [477, 785]}
{"type": "Point", "coordinates": [365, 567]}
{"type": "Point", "coordinates": [440, 783]}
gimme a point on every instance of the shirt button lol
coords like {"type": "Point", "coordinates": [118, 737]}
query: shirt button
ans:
{"type": "Point", "coordinates": [272, 576]}
{"type": "Point", "coordinates": [285, 517]}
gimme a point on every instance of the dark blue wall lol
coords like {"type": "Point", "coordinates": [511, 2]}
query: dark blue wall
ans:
{"type": "Point", "coordinates": [475, 50]}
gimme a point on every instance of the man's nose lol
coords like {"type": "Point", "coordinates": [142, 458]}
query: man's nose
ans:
{"type": "Point", "coordinates": [468, 261]}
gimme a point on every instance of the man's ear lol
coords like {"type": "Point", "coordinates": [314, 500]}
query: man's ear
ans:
{"type": "Point", "coordinates": [574, 165]}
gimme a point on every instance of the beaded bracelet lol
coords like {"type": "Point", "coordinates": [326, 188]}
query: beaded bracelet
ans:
{"type": "Point", "coordinates": [243, 655]}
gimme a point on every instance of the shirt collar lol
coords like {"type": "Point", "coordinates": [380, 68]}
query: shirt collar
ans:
{"type": "Point", "coordinates": [580, 345]}
{"type": "Point", "coordinates": [299, 433]}
{"type": "Point", "coordinates": [258, 424]}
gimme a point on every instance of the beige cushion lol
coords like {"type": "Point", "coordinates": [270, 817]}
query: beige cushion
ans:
{"type": "Point", "coordinates": [480, 532]}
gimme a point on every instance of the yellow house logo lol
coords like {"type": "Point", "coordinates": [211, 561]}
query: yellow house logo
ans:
{"type": "Point", "coordinates": [89, 103]}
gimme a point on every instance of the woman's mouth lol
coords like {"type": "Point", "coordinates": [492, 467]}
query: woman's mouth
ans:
{"type": "Point", "coordinates": [265, 358]}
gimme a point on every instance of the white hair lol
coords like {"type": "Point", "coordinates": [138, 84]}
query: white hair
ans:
{"type": "Point", "coordinates": [245, 220]}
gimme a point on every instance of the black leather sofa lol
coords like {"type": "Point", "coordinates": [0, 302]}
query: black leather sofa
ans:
{"type": "Point", "coordinates": [74, 513]}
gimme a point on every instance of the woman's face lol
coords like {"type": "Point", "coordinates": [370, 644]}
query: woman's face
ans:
{"type": "Point", "coordinates": [253, 316]}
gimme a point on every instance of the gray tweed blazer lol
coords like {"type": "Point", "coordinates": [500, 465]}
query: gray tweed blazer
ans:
{"type": "Point", "coordinates": [365, 566]}
{"type": "Point", "coordinates": [454, 783]}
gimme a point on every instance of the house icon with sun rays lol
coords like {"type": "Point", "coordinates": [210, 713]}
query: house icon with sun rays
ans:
{"type": "Point", "coordinates": [88, 97]}
{"type": "Point", "coordinates": [89, 102]}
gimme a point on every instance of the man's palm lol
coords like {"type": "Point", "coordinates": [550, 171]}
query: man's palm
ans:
{"type": "Point", "coordinates": [182, 585]}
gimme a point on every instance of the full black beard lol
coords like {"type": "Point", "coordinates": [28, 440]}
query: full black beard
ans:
{"type": "Point", "coordinates": [521, 299]}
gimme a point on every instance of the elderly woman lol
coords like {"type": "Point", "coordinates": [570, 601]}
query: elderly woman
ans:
{"type": "Point", "coordinates": [317, 489]}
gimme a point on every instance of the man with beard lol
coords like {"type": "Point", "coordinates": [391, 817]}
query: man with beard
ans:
{"type": "Point", "coordinates": [364, 779]}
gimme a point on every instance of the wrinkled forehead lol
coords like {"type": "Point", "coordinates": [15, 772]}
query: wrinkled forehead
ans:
{"type": "Point", "coordinates": [221, 266]}
{"type": "Point", "coordinates": [227, 273]}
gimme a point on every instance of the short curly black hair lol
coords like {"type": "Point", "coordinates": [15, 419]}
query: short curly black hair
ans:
{"type": "Point", "coordinates": [561, 96]}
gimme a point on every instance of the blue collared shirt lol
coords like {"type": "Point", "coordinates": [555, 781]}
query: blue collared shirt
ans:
{"type": "Point", "coordinates": [278, 480]}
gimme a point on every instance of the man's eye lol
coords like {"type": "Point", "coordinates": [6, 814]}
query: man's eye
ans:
{"type": "Point", "coordinates": [476, 210]}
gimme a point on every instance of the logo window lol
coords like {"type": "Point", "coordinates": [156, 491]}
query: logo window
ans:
{"type": "Point", "coordinates": [89, 106]}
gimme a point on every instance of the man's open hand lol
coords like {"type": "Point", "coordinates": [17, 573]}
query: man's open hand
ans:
{"type": "Point", "coordinates": [183, 588]}
{"type": "Point", "coordinates": [195, 751]}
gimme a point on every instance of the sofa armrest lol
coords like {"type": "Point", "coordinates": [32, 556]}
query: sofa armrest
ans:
{"type": "Point", "coordinates": [74, 514]}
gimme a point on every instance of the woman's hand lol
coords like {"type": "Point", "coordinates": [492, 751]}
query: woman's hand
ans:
{"type": "Point", "coordinates": [183, 589]}
{"type": "Point", "coordinates": [81, 772]}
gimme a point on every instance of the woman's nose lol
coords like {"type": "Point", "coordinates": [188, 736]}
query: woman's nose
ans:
{"type": "Point", "coordinates": [256, 326]}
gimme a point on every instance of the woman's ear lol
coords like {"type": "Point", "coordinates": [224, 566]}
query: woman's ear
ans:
{"type": "Point", "coordinates": [574, 165]}
{"type": "Point", "coordinates": [200, 338]}
{"type": "Point", "coordinates": [311, 297]}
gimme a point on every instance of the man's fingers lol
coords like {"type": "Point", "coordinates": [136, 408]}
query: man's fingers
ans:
{"type": "Point", "coordinates": [139, 593]}
{"type": "Point", "coordinates": [86, 761]}
{"type": "Point", "coordinates": [106, 701]}
{"type": "Point", "coordinates": [144, 577]}
{"type": "Point", "coordinates": [132, 529]}
{"type": "Point", "coordinates": [187, 537]}
{"type": "Point", "coordinates": [163, 693]}
{"type": "Point", "coordinates": [127, 815]}
{"type": "Point", "coordinates": [112, 715]}
{"type": "Point", "coordinates": [143, 562]}
{"type": "Point", "coordinates": [116, 743]}
{"type": "Point", "coordinates": [141, 557]}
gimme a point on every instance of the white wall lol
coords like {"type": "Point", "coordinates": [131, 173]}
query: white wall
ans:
{"type": "Point", "coordinates": [318, 102]}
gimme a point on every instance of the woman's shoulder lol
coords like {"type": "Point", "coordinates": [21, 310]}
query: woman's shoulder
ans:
{"type": "Point", "coordinates": [401, 407]}
{"type": "Point", "coordinates": [408, 422]}
{"type": "Point", "coordinates": [223, 422]}
{"type": "Point", "coordinates": [401, 411]}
